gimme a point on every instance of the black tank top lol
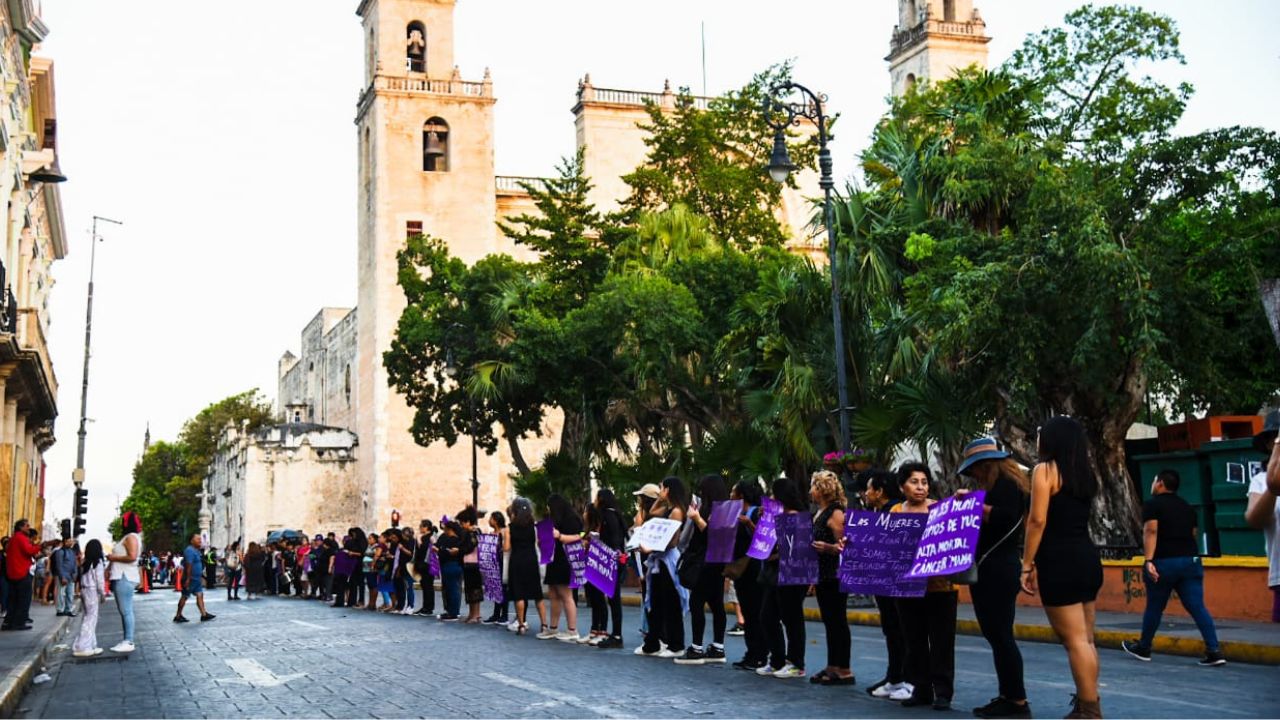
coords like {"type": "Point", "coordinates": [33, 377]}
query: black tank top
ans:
{"type": "Point", "coordinates": [828, 564]}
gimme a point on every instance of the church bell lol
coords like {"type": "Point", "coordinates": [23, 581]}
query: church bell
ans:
{"type": "Point", "coordinates": [434, 148]}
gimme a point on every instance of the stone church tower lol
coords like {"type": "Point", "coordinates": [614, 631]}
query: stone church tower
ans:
{"type": "Point", "coordinates": [934, 38]}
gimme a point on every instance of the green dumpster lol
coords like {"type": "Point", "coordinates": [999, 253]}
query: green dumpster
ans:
{"type": "Point", "coordinates": [1229, 465]}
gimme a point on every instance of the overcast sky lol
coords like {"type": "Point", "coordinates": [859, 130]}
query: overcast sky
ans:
{"type": "Point", "coordinates": [222, 134]}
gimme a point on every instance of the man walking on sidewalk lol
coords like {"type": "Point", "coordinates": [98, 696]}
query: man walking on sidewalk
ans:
{"type": "Point", "coordinates": [193, 580]}
{"type": "Point", "coordinates": [19, 554]}
{"type": "Point", "coordinates": [65, 563]}
{"type": "Point", "coordinates": [1172, 564]}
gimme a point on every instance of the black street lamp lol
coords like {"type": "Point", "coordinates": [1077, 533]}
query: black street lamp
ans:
{"type": "Point", "coordinates": [780, 111]}
{"type": "Point", "coordinates": [451, 370]}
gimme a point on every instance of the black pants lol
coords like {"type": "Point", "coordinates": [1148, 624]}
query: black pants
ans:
{"type": "Point", "coordinates": [428, 594]}
{"type": "Point", "coordinates": [233, 582]}
{"type": "Point", "coordinates": [339, 590]}
{"type": "Point", "coordinates": [783, 611]}
{"type": "Point", "coordinates": [19, 602]}
{"type": "Point", "coordinates": [708, 591]}
{"type": "Point", "coordinates": [929, 625]}
{"type": "Point", "coordinates": [355, 588]}
{"type": "Point", "coordinates": [832, 604]}
{"type": "Point", "coordinates": [666, 622]}
{"type": "Point", "coordinates": [994, 597]}
{"type": "Point", "coordinates": [895, 643]}
{"type": "Point", "coordinates": [319, 584]}
{"type": "Point", "coordinates": [615, 604]}
{"type": "Point", "coordinates": [748, 589]}
{"type": "Point", "coordinates": [599, 609]}
{"type": "Point", "coordinates": [398, 592]}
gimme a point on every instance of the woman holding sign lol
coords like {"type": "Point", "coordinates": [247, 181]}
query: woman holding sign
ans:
{"type": "Point", "coordinates": [568, 529]}
{"type": "Point", "coordinates": [1060, 561]}
{"type": "Point", "coordinates": [704, 579]}
{"type": "Point", "coordinates": [613, 533]}
{"type": "Point", "coordinates": [882, 494]}
{"type": "Point", "coordinates": [827, 493]}
{"type": "Point", "coordinates": [928, 622]}
{"type": "Point", "coordinates": [666, 612]}
{"type": "Point", "coordinates": [523, 578]}
{"type": "Point", "coordinates": [783, 605]}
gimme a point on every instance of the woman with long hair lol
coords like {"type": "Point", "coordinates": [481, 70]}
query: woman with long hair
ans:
{"type": "Point", "coordinates": [827, 493]}
{"type": "Point", "coordinates": [744, 571]}
{"type": "Point", "coordinates": [255, 581]}
{"type": "Point", "coordinates": [666, 600]}
{"type": "Point", "coordinates": [233, 559]}
{"type": "Point", "coordinates": [707, 589]}
{"type": "Point", "coordinates": [498, 524]}
{"type": "Point", "coordinates": [93, 592]}
{"type": "Point", "coordinates": [929, 622]}
{"type": "Point", "coordinates": [449, 547]}
{"type": "Point", "coordinates": [613, 533]}
{"type": "Point", "coordinates": [123, 574]}
{"type": "Point", "coordinates": [783, 606]}
{"type": "Point", "coordinates": [523, 579]}
{"type": "Point", "coordinates": [1060, 561]}
{"type": "Point", "coordinates": [354, 547]}
{"type": "Point", "coordinates": [995, 594]}
{"type": "Point", "coordinates": [596, 601]}
{"type": "Point", "coordinates": [567, 530]}
{"type": "Point", "coordinates": [882, 493]}
{"type": "Point", "coordinates": [472, 580]}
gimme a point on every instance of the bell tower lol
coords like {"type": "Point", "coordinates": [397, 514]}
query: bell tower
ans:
{"type": "Point", "coordinates": [933, 39]}
{"type": "Point", "coordinates": [425, 143]}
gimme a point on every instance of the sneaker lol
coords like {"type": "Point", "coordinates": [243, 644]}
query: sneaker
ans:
{"type": "Point", "coordinates": [86, 653]}
{"type": "Point", "coordinates": [669, 654]}
{"type": "Point", "coordinates": [1002, 708]}
{"type": "Point", "coordinates": [546, 633]}
{"type": "Point", "coordinates": [1135, 650]}
{"type": "Point", "coordinates": [610, 643]}
{"type": "Point", "coordinates": [941, 703]}
{"type": "Point", "coordinates": [590, 639]}
{"type": "Point", "coordinates": [1212, 659]}
{"type": "Point", "coordinates": [645, 653]}
{"type": "Point", "coordinates": [715, 654]}
{"type": "Point", "coordinates": [596, 638]}
{"type": "Point", "coordinates": [737, 630]}
{"type": "Point", "coordinates": [180, 619]}
{"type": "Point", "coordinates": [692, 656]}
{"type": "Point", "coordinates": [448, 618]}
{"type": "Point", "coordinates": [745, 664]}
{"type": "Point", "coordinates": [902, 691]}
{"type": "Point", "coordinates": [207, 618]}
{"type": "Point", "coordinates": [124, 646]}
{"type": "Point", "coordinates": [882, 689]}
{"type": "Point", "coordinates": [570, 636]}
{"type": "Point", "coordinates": [789, 671]}
{"type": "Point", "coordinates": [766, 670]}
{"type": "Point", "coordinates": [513, 626]}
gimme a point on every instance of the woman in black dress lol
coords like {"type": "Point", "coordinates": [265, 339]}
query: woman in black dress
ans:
{"type": "Point", "coordinates": [255, 578]}
{"type": "Point", "coordinates": [1060, 561]}
{"type": "Point", "coordinates": [568, 529]}
{"type": "Point", "coordinates": [523, 579]}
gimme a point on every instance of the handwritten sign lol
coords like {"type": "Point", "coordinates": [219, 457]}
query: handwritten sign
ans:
{"type": "Point", "coordinates": [490, 558]}
{"type": "Point", "coordinates": [577, 555]}
{"type": "Point", "coordinates": [766, 535]}
{"type": "Point", "coordinates": [546, 541]}
{"type": "Point", "coordinates": [655, 534]}
{"type": "Point", "coordinates": [950, 537]}
{"type": "Point", "coordinates": [722, 528]}
{"type": "Point", "coordinates": [878, 552]}
{"type": "Point", "coordinates": [797, 560]}
{"type": "Point", "coordinates": [602, 567]}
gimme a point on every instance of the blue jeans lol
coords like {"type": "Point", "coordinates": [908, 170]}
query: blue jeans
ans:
{"type": "Point", "coordinates": [1185, 575]}
{"type": "Point", "coordinates": [408, 592]}
{"type": "Point", "coordinates": [451, 579]}
{"type": "Point", "coordinates": [123, 591]}
{"type": "Point", "coordinates": [66, 595]}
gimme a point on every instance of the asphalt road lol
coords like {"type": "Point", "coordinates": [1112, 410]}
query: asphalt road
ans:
{"type": "Point", "coordinates": [292, 658]}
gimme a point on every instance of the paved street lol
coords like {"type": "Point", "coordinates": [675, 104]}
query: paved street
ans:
{"type": "Point", "coordinates": [275, 658]}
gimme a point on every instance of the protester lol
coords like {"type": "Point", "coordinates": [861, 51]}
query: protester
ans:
{"type": "Point", "coordinates": [408, 547]}
{"type": "Point", "coordinates": [20, 554]}
{"type": "Point", "coordinates": [613, 533]}
{"type": "Point", "coordinates": [782, 609]}
{"type": "Point", "coordinates": [666, 601]}
{"type": "Point", "coordinates": [567, 529]}
{"type": "Point", "coordinates": [449, 547]}
{"type": "Point", "coordinates": [523, 579]}
{"type": "Point", "coordinates": [826, 492]}
{"type": "Point", "coordinates": [704, 580]}
{"type": "Point", "coordinates": [355, 546]}
{"type": "Point", "coordinates": [500, 614]}
{"type": "Point", "coordinates": [233, 562]}
{"type": "Point", "coordinates": [422, 563]}
{"type": "Point", "coordinates": [929, 622]}
{"type": "Point", "coordinates": [1060, 561]}
{"type": "Point", "coordinates": [193, 580]}
{"type": "Point", "coordinates": [65, 569]}
{"type": "Point", "coordinates": [995, 594]}
{"type": "Point", "coordinates": [646, 499]}
{"type": "Point", "coordinates": [124, 577]}
{"type": "Point", "coordinates": [93, 592]}
{"type": "Point", "coordinates": [472, 580]}
{"type": "Point", "coordinates": [1172, 564]}
{"type": "Point", "coordinates": [596, 600]}
{"type": "Point", "coordinates": [744, 571]}
{"type": "Point", "coordinates": [882, 494]}
{"type": "Point", "coordinates": [1263, 512]}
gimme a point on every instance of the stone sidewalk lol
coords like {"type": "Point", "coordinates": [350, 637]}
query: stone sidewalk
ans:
{"type": "Point", "coordinates": [23, 653]}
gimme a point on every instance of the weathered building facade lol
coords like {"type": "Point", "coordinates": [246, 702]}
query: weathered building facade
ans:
{"type": "Point", "coordinates": [933, 39]}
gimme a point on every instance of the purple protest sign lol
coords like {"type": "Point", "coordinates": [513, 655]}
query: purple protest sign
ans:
{"type": "Point", "coordinates": [766, 535]}
{"type": "Point", "coordinates": [797, 560]}
{"type": "Point", "coordinates": [878, 552]}
{"type": "Point", "coordinates": [546, 541]}
{"type": "Point", "coordinates": [722, 529]}
{"type": "Point", "coordinates": [602, 567]}
{"type": "Point", "coordinates": [950, 537]}
{"type": "Point", "coordinates": [490, 556]}
{"type": "Point", "coordinates": [433, 562]}
{"type": "Point", "coordinates": [577, 555]}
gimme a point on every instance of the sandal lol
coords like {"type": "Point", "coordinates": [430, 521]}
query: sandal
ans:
{"type": "Point", "coordinates": [819, 678]}
{"type": "Point", "coordinates": [833, 679]}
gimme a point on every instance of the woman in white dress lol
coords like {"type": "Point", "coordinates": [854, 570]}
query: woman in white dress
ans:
{"type": "Point", "coordinates": [93, 590]}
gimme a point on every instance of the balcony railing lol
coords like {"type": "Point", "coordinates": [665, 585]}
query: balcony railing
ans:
{"type": "Point", "coordinates": [911, 36]}
{"type": "Point", "coordinates": [588, 93]}
{"type": "Point", "coordinates": [514, 184]}
{"type": "Point", "coordinates": [424, 86]}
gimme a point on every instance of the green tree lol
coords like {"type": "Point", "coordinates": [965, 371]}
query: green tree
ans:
{"type": "Point", "coordinates": [149, 496]}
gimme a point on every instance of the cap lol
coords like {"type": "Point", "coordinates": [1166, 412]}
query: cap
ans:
{"type": "Point", "coordinates": [649, 490]}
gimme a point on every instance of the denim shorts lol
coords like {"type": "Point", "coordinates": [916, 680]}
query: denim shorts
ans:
{"type": "Point", "coordinates": [195, 587]}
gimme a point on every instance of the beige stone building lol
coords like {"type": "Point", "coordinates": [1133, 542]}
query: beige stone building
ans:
{"type": "Point", "coordinates": [33, 239]}
{"type": "Point", "coordinates": [425, 140]}
{"type": "Point", "coordinates": [934, 38]}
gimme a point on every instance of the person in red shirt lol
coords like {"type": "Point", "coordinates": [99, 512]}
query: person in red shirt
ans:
{"type": "Point", "coordinates": [20, 553]}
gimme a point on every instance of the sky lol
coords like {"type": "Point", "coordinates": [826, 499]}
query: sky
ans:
{"type": "Point", "coordinates": [222, 135]}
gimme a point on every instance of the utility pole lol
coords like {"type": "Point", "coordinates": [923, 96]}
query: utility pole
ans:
{"type": "Point", "coordinates": [77, 476]}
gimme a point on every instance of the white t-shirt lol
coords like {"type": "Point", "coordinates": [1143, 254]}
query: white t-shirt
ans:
{"type": "Point", "coordinates": [1258, 486]}
{"type": "Point", "coordinates": [126, 571]}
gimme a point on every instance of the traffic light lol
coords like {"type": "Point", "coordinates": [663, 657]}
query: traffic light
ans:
{"type": "Point", "coordinates": [173, 527]}
{"type": "Point", "coordinates": [66, 528]}
{"type": "Point", "coordinates": [82, 502]}
{"type": "Point", "coordinates": [79, 526]}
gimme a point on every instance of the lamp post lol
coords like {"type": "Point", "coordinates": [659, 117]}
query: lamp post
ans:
{"type": "Point", "coordinates": [781, 111]}
{"type": "Point", "coordinates": [451, 370]}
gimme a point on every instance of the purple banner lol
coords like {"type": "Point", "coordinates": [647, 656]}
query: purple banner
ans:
{"type": "Point", "coordinates": [950, 537]}
{"type": "Point", "coordinates": [490, 553]}
{"type": "Point", "coordinates": [878, 552]}
{"type": "Point", "coordinates": [766, 531]}
{"type": "Point", "coordinates": [546, 541]}
{"type": "Point", "coordinates": [722, 529]}
{"type": "Point", "coordinates": [602, 567]}
{"type": "Point", "coordinates": [797, 560]}
{"type": "Point", "coordinates": [577, 555]}
{"type": "Point", "coordinates": [433, 561]}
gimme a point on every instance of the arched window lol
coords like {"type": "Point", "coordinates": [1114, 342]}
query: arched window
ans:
{"type": "Point", "coordinates": [415, 45]}
{"type": "Point", "coordinates": [911, 81]}
{"type": "Point", "coordinates": [435, 145]}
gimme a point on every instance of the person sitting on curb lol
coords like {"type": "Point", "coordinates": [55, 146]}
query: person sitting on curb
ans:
{"type": "Point", "coordinates": [1172, 564]}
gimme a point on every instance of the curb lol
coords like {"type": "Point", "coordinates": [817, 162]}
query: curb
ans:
{"type": "Point", "coordinates": [1235, 651]}
{"type": "Point", "coordinates": [14, 684]}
